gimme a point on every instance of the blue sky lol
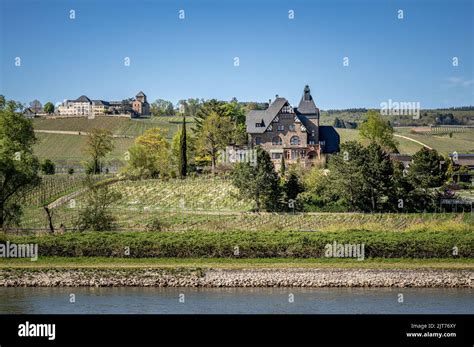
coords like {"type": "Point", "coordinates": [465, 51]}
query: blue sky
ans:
{"type": "Point", "coordinates": [171, 58]}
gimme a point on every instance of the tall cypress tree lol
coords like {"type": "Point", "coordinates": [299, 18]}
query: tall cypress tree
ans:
{"type": "Point", "coordinates": [183, 160]}
{"type": "Point", "coordinates": [282, 166]}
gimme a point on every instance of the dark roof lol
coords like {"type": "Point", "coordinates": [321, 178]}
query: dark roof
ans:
{"type": "Point", "coordinates": [464, 160]}
{"type": "Point", "coordinates": [307, 105]}
{"type": "Point", "coordinates": [100, 102]}
{"type": "Point", "coordinates": [400, 157]}
{"type": "Point", "coordinates": [304, 121]}
{"type": "Point", "coordinates": [83, 98]}
{"type": "Point", "coordinates": [263, 117]}
{"type": "Point", "coordinates": [140, 93]}
{"type": "Point", "coordinates": [331, 138]}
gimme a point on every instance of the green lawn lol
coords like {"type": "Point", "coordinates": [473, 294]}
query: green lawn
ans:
{"type": "Point", "coordinates": [228, 263]}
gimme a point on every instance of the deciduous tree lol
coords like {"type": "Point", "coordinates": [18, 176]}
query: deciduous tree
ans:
{"type": "Point", "coordinates": [49, 108]}
{"type": "Point", "coordinates": [149, 156]}
{"type": "Point", "coordinates": [215, 134]}
{"type": "Point", "coordinates": [378, 130]}
{"type": "Point", "coordinates": [18, 165]}
{"type": "Point", "coordinates": [99, 144]}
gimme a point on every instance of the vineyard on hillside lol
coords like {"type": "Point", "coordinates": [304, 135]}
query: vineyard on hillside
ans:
{"type": "Point", "coordinates": [117, 125]}
{"type": "Point", "coordinates": [197, 194]}
{"type": "Point", "coordinates": [174, 220]}
{"type": "Point", "coordinates": [53, 187]}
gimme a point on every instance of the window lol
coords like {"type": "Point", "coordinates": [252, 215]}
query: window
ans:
{"type": "Point", "coordinates": [276, 141]}
{"type": "Point", "coordinates": [258, 140]}
{"type": "Point", "coordinates": [277, 155]}
{"type": "Point", "coordinates": [295, 141]}
{"type": "Point", "coordinates": [270, 128]}
{"type": "Point", "coordinates": [292, 127]}
{"type": "Point", "coordinates": [281, 127]}
{"type": "Point", "coordinates": [258, 125]}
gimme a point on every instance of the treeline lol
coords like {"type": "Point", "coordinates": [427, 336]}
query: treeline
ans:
{"type": "Point", "coordinates": [193, 106]}
{"type": "Point", "coordinates": [459, 108]}
{"type": "Point", "coordinates": [353, 110]}
{"type": "Point", "coordinates": [340, 123]}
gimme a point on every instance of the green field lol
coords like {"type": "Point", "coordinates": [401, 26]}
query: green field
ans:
{"type": "Point", "coordinates": [404, 146]}
{"type": "Point", "coordinates": [69, 148]}
{"type": "Point", "coordinates": [235, 263]}
{"type": "Point", "coordinates": [460, 142]}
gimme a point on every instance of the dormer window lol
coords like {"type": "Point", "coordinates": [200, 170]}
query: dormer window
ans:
{"type": "Point", "coordinates": [270, 128]}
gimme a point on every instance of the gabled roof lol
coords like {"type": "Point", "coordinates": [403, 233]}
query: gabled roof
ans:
{"type": "Point", "coordinates": [304, 121]}
{"type": "Point", "coordinates": [307, 105]}
{"type": "Point", "coordinates": [83, 98]}
{"type": "Point", "coordinates": [140, 93]}
{"type": "Point", "coordinates": [264, 117]}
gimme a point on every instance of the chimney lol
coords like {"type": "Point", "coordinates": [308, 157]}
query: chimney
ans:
{"type": "Point", "coordinates": [276, 96]}
{"type": "Point", "coordinates": [269, 102]}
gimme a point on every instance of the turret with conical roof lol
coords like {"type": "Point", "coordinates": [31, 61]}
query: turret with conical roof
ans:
{"type": "Point", "coordinates": [307, 107]}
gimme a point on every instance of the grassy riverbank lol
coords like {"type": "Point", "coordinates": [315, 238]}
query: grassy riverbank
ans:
{"type": "Point", "coordinates": [226, 263]}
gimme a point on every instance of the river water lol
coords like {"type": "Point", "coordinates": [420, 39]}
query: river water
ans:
{"type": "Point", "coordinates": [236, 300]}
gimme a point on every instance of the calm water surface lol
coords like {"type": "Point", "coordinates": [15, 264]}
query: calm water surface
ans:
{"type": "Point", "coordinates": [236, 300]}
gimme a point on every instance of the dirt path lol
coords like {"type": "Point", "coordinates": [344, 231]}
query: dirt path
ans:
{"type": "Point", "coordinates": [79, 133]}
{"type": "Point", "coordinates": [410, 139]}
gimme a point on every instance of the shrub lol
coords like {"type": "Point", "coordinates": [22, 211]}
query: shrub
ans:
{"type": "Point", "coordinates": [48, 167]}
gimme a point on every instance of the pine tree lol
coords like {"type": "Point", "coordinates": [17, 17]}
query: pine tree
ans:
{"type": "Point", "coordinates": [182, 152]}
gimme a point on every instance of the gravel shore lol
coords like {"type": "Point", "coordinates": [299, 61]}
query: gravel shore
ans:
{"type": "Point", "coordinates": [235, 278]}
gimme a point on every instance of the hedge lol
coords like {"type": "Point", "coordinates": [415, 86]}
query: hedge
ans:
{"type": "Point", "coordinates": [251, 244]}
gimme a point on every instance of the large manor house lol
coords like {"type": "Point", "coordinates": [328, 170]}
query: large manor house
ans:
{"type": "Point", "coordinates": [83, 106]}
{"type": "Point", "coordinates": [292, 132]}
